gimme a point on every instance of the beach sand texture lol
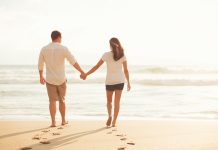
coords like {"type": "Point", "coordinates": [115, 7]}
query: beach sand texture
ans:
{"type": "Point", "coordinates": [93, 135]}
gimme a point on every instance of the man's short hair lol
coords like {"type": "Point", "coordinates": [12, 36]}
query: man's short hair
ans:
{"type": "Point", "coordinates": [55, 34]}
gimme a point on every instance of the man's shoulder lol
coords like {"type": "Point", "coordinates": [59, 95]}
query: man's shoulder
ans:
{"type": "Point", "coordinates": [54, 46]}
{"type": "Point", "coordinates": [46, 46]}
{"type": "Point", "coordinates": [62, 47]}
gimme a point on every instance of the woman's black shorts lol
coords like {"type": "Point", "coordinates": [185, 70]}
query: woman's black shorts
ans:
{"type": "Point", "coordinates": [115, 87]}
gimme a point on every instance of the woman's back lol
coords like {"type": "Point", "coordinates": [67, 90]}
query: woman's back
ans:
{"type": "Point", "coordinates": [115, 73]}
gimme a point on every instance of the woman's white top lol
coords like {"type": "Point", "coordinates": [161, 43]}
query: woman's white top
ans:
{"type": "Point", "coordinates": [115, 74]}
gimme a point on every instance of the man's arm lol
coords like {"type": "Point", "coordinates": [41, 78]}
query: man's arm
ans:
{"type": "Point", "coordinates": [42, 80]}
{"type": "Point", "coordinates": [73, 62]}
{"type": "Point", "coordinates": [78, 68]}
{"type": "Point", "coordinates": [40, 67]}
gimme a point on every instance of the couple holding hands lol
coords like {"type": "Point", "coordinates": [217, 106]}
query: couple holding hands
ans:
{"type": "Point", "coordinates": [53, 56]}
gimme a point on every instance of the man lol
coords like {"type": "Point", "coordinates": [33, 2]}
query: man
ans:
{"type": "Point", "coordinates": [54, 55]}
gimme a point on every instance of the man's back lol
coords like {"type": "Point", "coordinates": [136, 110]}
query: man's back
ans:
{"type": "Point", "coordinates": [53, 55]}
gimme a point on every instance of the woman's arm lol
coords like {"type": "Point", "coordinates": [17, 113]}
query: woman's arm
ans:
{"type": "Point", "coordinates": [126, 72]}
{"type": "Point", "coordinates": [95, 67]}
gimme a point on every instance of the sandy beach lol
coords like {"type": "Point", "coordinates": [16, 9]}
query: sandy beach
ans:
{"type": "Point", "coordinates": [92, 135]}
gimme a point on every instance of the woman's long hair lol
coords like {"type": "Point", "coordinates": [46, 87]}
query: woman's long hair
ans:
{"type": "Point", "coordinates": [117, 49]}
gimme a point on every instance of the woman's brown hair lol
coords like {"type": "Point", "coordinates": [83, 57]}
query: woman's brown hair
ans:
{"type": "Point", "coordinates": [117, 49]}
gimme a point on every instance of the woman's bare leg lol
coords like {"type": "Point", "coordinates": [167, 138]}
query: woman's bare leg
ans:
{"type": "Point", "coordinates": [109, 107]}
{"type": "Point", "coordinates": [118, 94]}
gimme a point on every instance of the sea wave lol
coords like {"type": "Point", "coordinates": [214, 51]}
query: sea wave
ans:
{"type": "Point", "coordinates": [175, 70]}
{"type": "Point", "coordinates": [133, 69]}
{"type": "Point", "coordinates": [178, 82]}
{"type": "Point", "coordinates": [144, 75]}
{"type": "Point", "coordinates": [145, 82]}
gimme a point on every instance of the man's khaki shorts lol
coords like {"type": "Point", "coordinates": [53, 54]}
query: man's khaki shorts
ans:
{"type": "Point", "coordinates": [56, 92]}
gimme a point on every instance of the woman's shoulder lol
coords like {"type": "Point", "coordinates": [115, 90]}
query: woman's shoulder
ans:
{"type": "Point", "coordinates": [106, 56]}
{"type": "Point", "coordinates": [122, 59]}
{"type": "Point", "coordinates": [107, 53]}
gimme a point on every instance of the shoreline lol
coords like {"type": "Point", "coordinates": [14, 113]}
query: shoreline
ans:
{"type": "Point", "coordinates": [119, 120]}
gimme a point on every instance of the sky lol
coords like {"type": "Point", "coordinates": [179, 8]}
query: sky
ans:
{"type": "Point", "coordinates": [152, 32]}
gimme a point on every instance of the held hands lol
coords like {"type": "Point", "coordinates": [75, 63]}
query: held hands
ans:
{"type": "Point", "coordinates": [83, 76]}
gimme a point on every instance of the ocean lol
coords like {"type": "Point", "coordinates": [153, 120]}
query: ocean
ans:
{"type": "Point", "coordinates": [158, 92]}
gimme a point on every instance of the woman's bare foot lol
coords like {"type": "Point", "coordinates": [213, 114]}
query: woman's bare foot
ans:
{"type": "Point", "coordinates": [108, 123]}
{"type": "Point", "coordinates": [114, 123]}
{"type": "Point", "coordinates": [64, 123]}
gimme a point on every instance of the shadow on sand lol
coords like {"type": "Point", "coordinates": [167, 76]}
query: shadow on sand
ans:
{"type": "Point", "coordinates": [19, 133]}
{"type": "Point", "coordinates": [64, 140]}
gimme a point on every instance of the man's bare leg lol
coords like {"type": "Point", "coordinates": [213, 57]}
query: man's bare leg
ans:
{"type": "Point", "coordinates": [62, 109]}
{"type": "Point", "coordinates": [52, 108]}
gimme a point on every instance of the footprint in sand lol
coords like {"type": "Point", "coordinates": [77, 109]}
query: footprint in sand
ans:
{"type": "Point", "coordinates": [109, 132]}
{"type": "Point", "coordinates": [121, 148]}
{"type": "Point", "coordinates": [45, 131]}
{"type": "Point", "coordinates": [123, 139]}
{"type": "Point", "coordinates": [131, 143]}
{"type": "Point", "coordinates": [56, 133]}
{"type": "Point", "coordinates": [36, 137]}
{"type": "Point", "coordinates": [45, 142]}
{"type": "Point", "coordinates": [26, 148]}
{"type": "Point", "coordinates": [60, 128]}
{"type": "Point", "coordinates": [121, 135]}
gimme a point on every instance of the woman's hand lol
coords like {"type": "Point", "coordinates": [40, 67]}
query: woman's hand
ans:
{"type": "Point", "coordinates": [128, 87]}
{"type": "Point", "coordinates": [83, 76]}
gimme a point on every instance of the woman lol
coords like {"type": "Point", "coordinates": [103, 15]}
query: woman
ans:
{"type": "Point", "coordinates": [116, 72]}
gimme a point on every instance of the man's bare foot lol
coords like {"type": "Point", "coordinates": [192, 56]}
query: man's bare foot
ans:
{"type": "Point", "coordinates": [108, 123]}
{"type": "Point", "coordinates": [53, 125]}
{"type": "Point", "coordinates": [64, 123]}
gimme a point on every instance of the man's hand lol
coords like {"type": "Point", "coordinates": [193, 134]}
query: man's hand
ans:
{"type": "Point", "coordinates": [128, 87]}
{"type": "Point", "coordinates": [42, 80]}
{"type": "Point", "coordinates": [83, 76]}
